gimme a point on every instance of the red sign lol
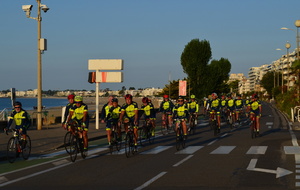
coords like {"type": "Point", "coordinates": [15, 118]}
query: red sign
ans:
{"type": "Point", "coordinates": [182, 88]}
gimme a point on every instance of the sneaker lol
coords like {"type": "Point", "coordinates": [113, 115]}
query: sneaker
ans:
{"type": "Point", "coordinates": [218, 130]}
{"type": "Point", "coordinates": [135, 148]}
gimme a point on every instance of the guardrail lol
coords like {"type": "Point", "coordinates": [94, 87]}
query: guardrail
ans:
{"type": "Point", "coordinates": [295, 112]}
{"type": "Point", "coordinates": [3, 115]}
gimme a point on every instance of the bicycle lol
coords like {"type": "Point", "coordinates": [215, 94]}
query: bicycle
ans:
{"type": "Point", "coordinates": [253, 127]}
{"type": "Point", "coordinates": [165, 128]}
{"type": "Point", "coordinates": [15, 147]}
{"type": "Point", "coordinates": [180, 140]}
{"type": "Point", "coordinates": [147, 132]}
{"type": "Point", "coordinates": [129, 141]}
{"type": "Point", "coordinates": [67, 140]}
{"type": "Point", "coordinates": [214, 123]}
{"type": "Point", "coordinates": [193, 123]}
{"type": "Point", "coordinates": [114, 138]}
{"type": "Point", "coordinates": [76, 142]}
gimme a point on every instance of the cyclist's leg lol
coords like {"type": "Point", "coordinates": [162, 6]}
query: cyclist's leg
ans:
{"type": "Point", "coordinates": [164, 118]}
{"type": "Point", "coordinates": [257, 121]}
{"type": "Point", "coordinates": [170, 120]}
{"type": "Point", "coordinates": [108, 131]}
{"type": "Point", "coordinates": [153, 122]}
{"type": "Point", "coordinates": [184, 127]}
{"type": "Point", "coordinates": [219, 119]}
{"type": "Point", "coordinates": [126, 123]}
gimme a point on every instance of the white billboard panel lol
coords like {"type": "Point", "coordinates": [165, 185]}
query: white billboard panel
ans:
{"type": "Point", "coordinates": [105, 64]}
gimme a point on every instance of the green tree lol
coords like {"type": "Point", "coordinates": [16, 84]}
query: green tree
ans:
{"type": "Point", "coordinates": [172, 89]}
{"type": "Point", "coordinates": [268, 82]}
{"type": "Point", "coordinates": [194, 61]}
{"type": "Point", "coordinates": [234, 85]}
{"type": "Point", "coordinates": [218, 75]}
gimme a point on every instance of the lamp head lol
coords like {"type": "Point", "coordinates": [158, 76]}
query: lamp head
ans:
{"type": "Point", "coordinates": [26, 8]}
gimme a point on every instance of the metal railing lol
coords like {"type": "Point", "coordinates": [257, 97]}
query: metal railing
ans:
{"type": "Point", "coordinates": [295, 113]}
{"type": "Point", "coordinates": [4, 114]}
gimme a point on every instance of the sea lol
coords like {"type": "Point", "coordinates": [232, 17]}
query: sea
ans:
{"type": "Point", "coordinates": [30, 103]}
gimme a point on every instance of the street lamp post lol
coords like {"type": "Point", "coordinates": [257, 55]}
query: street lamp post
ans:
{"type": "Point", "coordinates": [41, 46]}
{"type": "Point", "coordinates": [288, 46]}
{"type": "Point", "coordinates": [297, 24]}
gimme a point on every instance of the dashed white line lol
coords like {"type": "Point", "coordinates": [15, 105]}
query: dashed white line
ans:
{"type": "Point", "coordinates": [185, 159]}
{"type": "Point", "coordinates": [150, 181]}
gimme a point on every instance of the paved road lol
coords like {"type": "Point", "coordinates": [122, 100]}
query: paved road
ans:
{"type": "Point", "coordinates": [230, 161]}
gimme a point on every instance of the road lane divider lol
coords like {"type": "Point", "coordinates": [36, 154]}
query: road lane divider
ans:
{"type": "Point", "coordinates": [150, 181]}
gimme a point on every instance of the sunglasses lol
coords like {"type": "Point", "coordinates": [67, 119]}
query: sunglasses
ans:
{"type": "Point", "coordinates": [180, 100]}
{"type": "Point", "coordinates": [77, 102]}
{"type": "Point", "coordinates": [17, 107]}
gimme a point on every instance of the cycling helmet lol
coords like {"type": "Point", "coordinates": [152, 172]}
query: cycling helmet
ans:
{"type": "Point", "coordinates": [214, 94]}
{"type": "Point", "coordinates": [18, 104]}
{"type": "Point", "coordinates": [193, 96]}
{"type": "Point", "coordinates": [166, 96]}
{"type": "Point", "coordinates": [145, 100]}
{"type": "Point", "coordinates": [115, 100]}
{"type": "Point", "coordinates": [128, 96]}
{"type": "Point", "coordinates": [78, 99]}
{"type": "Point", "coordinates": [71, 96]}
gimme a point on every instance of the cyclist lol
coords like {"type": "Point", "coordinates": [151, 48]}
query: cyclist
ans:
{"type": "Point", "coordinates": [166, 108]}
{"type": "Point", "coordinates": [67, 111]}
{"type": "Point", "coordinates": [21, 119]}
{"type": "Point", "coordinates": [230, 107]}
{"type": "Point", "coordinates": [129, 114]}
{"type": "Point", "coordinates": [239, 104]}
{"type": "Point", "coordinates": [215, 105]}
{"type": "Point", "coordinates": [193, 109]}
{"type": "Point", "coordinates": [149, 112]}
{"type": "Point", "coordinates": [180, 113]}
{"type": "Point", "coordinates": [105, 108]}
{"type": "Point", "coordinates": [223, 107]}
{"type": "Point", "coordinates": [255, 110]}
{"type": "Point", "coordinates": [79, 113]}
{"type": "Point", "coordinates": [112, 118]}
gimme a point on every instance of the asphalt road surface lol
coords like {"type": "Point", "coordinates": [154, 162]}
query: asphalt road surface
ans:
{"type": "Point", "coordinates": [231, 160]}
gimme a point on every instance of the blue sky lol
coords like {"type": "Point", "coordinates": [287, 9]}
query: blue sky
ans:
{"type": "Point", "coordinates": [149, 35]}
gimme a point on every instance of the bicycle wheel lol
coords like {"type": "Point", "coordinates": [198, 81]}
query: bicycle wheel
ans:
{"type": "Point", "coordinates": [116, 142]}
{"type": "Point", "coordinates": [178, 138]}
{"type": "Point", "coordinates": [81, 147]}
{"type": "Point", "coordinates": [164, 128]}
{"type": "Point", "coordinates": [26, 150]}
{"type": "Point", "coordinates": [215, 127]}
{"type": "Point", "coordinates": [151, 134]}
{"type": "Point", "coordinates": [73, 148]}
{"type": "Point", "coordinates": [142, 135]}
{"type": "Point", "coordinates": [127, 145]}
{"type": "Point", "coordinates": [67, 140]}
{"type": "Point", "coordinates": [11, 151]}
{"type": "Point", "coordinates": [253, 130]}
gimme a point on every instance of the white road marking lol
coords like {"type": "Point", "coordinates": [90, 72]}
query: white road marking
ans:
{"type": "Point", "coordinates": [223, 150]}
{"type": "Point", "coordinates": [291, 149]}
{"type": "Point", "coordinates": [156, 150]}
{"type": "Point", "coordinates": [269, 123]}
{"type": "Point", "coordinates": [150, 181]}
{"type": "Point", "coordinates": [189, 150]}
{"type": "Point", "coordinates": [185, 159]}
{"type": "Point", "coordinates": [212, 142]}
{"type": "Point", "coordinates": [257, 150]}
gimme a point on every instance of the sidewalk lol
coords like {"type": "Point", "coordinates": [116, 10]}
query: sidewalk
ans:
{"type": "Point", "coordinates": [49, 138]}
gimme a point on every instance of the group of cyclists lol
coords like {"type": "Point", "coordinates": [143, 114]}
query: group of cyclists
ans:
{"type": "Point", "coordinates": [228, 106]}
{"type": "Point", "coordinates": [113, 114]}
